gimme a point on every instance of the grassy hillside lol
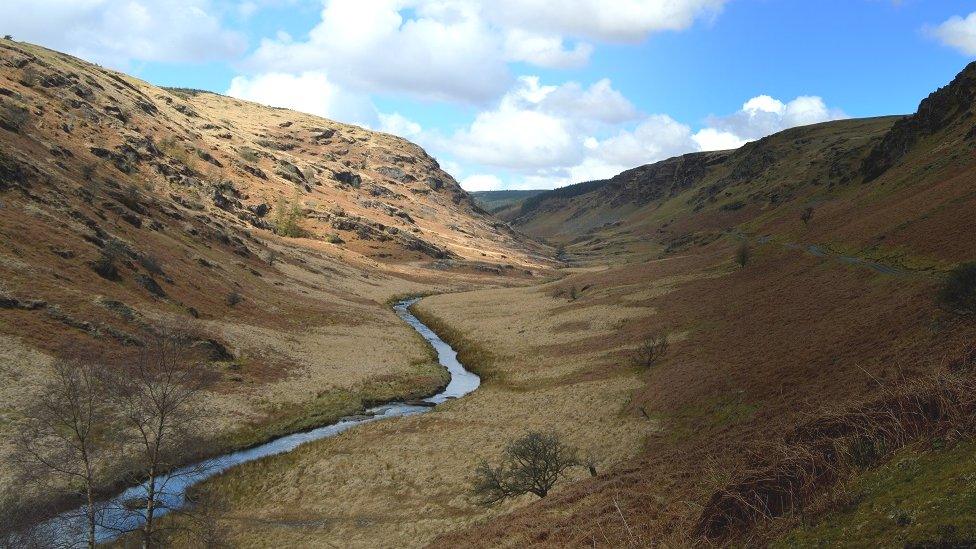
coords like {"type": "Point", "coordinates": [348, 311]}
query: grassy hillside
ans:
{"type": "Point", "coordinates": [816, 393]}
{"type": "Point", "coordinates": [502, 203]}
{"type": "Point", "coordinates": [279, 237]}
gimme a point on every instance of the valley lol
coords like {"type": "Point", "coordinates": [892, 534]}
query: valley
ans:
{"type": "Point", "coordinates": [796, 282]}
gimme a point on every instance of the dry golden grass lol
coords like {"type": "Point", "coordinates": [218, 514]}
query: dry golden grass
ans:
{"type": "Point", "coordinates": [402, 482]}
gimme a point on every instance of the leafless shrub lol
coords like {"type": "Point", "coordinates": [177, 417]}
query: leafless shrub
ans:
{"type": "Point", "coordinates": [151, 263]}
{"type": "Point", "coordinates": [530, 464]}
{"type": "Point", "coordinates": [650, 351]}
{"type": "Point", "coordinates": [249, 155]}
{"type": "Point", "coordinates": [66, 437]}
{"type": "Point", "coordinates": [18, 521]}
{"type": "Point", "coordinates": [157, 395]}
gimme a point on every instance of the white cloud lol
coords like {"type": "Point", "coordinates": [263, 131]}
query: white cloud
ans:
{"type": "Point", "coordinates": [518, 139]}
{"type": "Point", "coordinates": [310, 92]}
{"type": "Point", "coordinates": [544, 136]}
{"type": "Point", "coordinates": [445, 51]}
{"type": "Point", "coordinates": [623, 21]}
{"type": "Point", "coordinates": [397, 124]}
{"type": "Point", "coordinates": [460, 50]}
{"type": "Point", "coordinates": [710, 139]}
{"type": "Point", "coordinates": [958, 33]}
{"type": "Point", "coordinates": [763, 115]}
{"type": "Point", "coordinates": [116, 32]}
{"type": "Point", "coordinates": [481, 182]}
{"type": "Point", "coordinates": [657, 137]}
{"type": "Point", "coordinates": [539, 127]}
{"type": "Point", "coordinates": [600, 102]}
{"type": "Point", "coordinates": [545, 50]}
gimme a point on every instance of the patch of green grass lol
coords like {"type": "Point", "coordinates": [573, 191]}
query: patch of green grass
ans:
{"type": "Point", "coordinates": [918, 499]}
{"type": "Point", "coordinates": [715, 413]}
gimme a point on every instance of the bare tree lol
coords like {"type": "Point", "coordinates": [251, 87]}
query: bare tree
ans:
{"type": "Point", "coordinates": [65, 437]}
{"type": "Point", "coordinates": [158, 397]}
{"type": "Point", "coordinates": [18, 521]}
{"type": "Point", "coordinates": [650, 351]}
{"type": "Point", "coordinates": [530, 464]}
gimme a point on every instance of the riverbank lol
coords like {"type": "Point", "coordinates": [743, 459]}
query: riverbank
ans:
{"type": "Point", "coordinates": [404, 481]}
{"type": "Point", "coordinates": [116, 514]}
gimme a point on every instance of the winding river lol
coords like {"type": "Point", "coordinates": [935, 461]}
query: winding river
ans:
{"type": "Point", "coordinates": [115, 517]}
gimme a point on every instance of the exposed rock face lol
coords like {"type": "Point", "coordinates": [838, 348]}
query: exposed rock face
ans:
{"type": "Point", "coordinates": [638, 186]}
{"type": "Point", "coordinates": [184, 145]}
{"type": "Point", "coordinates": [948, 105]}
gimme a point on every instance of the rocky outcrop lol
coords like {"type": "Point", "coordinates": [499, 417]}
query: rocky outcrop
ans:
{"type": "Point", "coordinates": [946, 106]}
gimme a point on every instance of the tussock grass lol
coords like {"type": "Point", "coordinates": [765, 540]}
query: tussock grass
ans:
{"type": "Point", "coordinates": [796, 473]}
{"type": "Point", "coordinates": [474, 356]}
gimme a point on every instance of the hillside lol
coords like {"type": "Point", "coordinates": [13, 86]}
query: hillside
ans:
{"type": "Point", "coordinates": [502, 203]}
{"type": "Point", "coordinates": [278, 236]}
{"type": "Point", "coordinates": [817, 395]}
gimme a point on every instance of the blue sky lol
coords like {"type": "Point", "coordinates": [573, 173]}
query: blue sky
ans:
{"type": "Point", "coordinates": [533, 93]}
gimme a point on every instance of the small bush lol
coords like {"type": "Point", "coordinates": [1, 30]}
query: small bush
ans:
{"type": "Point", "coordinates": [959, 289]}
{"type": "Point", "coordinates": [334, 238]}
{"type": "Point", "coordinates": [175, 150]}
{"type": "Point", "coordinates": [30, 77]}
{"type": "Point", "coordinates": [234, 298]}
{"type": "Point", "coordinates": [530, 465]}
{"type": "Point", "coordinates": [151, 264]}
{"type": "Point", "coordinates": [650, 351]}
{"type": "Point", "coordinates": [249, 155]}
{"type": "Point", "coordinates": [742, 255]}
{"type": "Point", "coordinates": [271, 257]}
{"type": "Point", "coordinates": [106, 265]}
{"type": "Point", "coordinates": [287, 221]}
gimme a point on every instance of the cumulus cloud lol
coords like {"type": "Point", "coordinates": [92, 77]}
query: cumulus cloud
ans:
{"type": "Point", "coordinates": [539, 127]}
{"type": "Point", "coordinates": [764, 115]}
{"type": "Point", "coordinates": [397, 124]}
{"type": "Point", "coordinates": [444, 50]}
{"type": "Point", "coordinates": [600, 102]}
{"type": "Point", "coordinates": [116, 32]}
{"type": "Point", "coordinates": [310, 92]}
{"type": "Point", "coordinates": [545, 50]}
{"type": "Point", "coordinates": [625, 21]}
{"type": "Point", "coordinates": [518, 139]}
{"type": "Point", "coordinates": [958, 33]}
{"type": "Point", "coordinates": [657, 137]}
{"type": "Point", "coordinates": [460, 50]}
{"type": "Point", "coordinates": [544, 136]}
